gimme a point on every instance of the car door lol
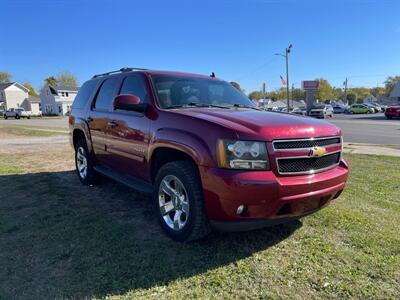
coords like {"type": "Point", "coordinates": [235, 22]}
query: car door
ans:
{"type": "Point", "coordinates": [127, 136]}
{"type": "Point", "coordinates": [99, 117]}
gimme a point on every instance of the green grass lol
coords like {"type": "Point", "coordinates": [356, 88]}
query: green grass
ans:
{"type": "Point", "coordinates": [31, 131]}
{"type": "Point", "coordinates": [63, 240]}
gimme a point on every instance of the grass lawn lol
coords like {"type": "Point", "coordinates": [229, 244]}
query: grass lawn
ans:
{"type": "Point", "coordinates": [63, 240]}
{"type": "Point", "coordinates": [31, 131]}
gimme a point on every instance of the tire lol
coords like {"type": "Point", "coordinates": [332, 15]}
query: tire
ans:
{"type": "Point", "coordinates": [28, 117]}
{"type": "Point", "coordinates": [17, 117]}
{"type": "Point", "coordinates": [5, 117]}
{"type": "Point", "coordinates": [83, 157]}
{"type": "Point", "coordinates": [388, 117]}
{"type": "Point", "coordinates": [192, 223]}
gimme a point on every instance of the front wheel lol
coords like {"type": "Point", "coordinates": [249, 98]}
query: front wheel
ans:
{"type": "Point", "coordinates": [17, 117]}
{"type": "Point", "coordinates": [179, 200]}
{"type": "Point", "coordinates": [5, 117]}
{"type": "Point", "coordinates": [84, 164]}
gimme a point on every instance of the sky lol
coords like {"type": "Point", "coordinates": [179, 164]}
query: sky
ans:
{"type": "Point", "coordinates": [358, 39]}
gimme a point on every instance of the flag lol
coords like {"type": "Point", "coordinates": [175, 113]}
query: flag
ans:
{"type": "Point", "coordinates": [283, 80]}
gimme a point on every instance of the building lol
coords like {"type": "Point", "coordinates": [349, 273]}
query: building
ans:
{"type": "Point", "coordinates": [12, 95]}
{"type": "Point", "coordinates": [370, 99]}
{"type": "Point", "coordinates": [57, 100]}
{"type": "Point", "coordinates": [395, 93]}
{"type": "Point", "coordinates": [32, 104]}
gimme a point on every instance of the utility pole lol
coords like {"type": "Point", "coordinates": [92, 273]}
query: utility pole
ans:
{"type": "Point", "coordinates": [286, 56]}
{"type": "Point", "coordinates": [345, 91]}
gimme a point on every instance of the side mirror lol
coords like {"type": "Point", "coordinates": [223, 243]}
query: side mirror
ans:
{"type": "Point", "coordinates": [128, 102]}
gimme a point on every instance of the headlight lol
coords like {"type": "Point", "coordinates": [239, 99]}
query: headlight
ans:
{"type": "Point", "coordinates": [242, 155]}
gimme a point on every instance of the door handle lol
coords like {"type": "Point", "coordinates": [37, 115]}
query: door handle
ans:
{"type": "Point", "coordinates": [112, 124]}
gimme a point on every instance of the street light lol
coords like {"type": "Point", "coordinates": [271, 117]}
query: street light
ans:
{"type": "Point", "coordinates": [286, 56]}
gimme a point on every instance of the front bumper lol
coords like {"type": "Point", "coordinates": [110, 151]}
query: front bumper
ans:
{"type": "Point", "coordinates": [269, 199]}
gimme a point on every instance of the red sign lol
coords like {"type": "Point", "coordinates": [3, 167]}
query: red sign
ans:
{"type": "Point", "coordinates": [310, 84]}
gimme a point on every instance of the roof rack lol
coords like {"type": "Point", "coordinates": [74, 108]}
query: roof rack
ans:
{"type": "Point", "coordinates": [122, 70]}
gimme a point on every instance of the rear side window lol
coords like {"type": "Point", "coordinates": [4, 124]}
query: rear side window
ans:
{"type": "Point", "coordinates": [106, 94]}
{"type": "Point", "coordinates": [135, 85]}
{"type": "Point", "coordinates": [84, 94]}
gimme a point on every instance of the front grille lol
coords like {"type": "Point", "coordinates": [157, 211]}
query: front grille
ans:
{"type": "Point", "coordinates": [298, 144]}
{"type": "Point", "coordinates": [307, 164]}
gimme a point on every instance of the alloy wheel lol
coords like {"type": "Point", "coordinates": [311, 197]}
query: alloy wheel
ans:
{"type": "Point", "coordinates": [81, 162]}
{"type": "Point", "coordinates": [173, 202]}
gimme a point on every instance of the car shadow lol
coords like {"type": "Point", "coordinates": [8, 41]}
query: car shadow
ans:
{"type": "Point", "coordinates": [64, 240]}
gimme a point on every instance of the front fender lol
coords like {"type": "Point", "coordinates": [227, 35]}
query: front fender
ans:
{"type": "Point", "coordinates": [82, 125]}
{"type": "Point", "coordinates": [187, 142]}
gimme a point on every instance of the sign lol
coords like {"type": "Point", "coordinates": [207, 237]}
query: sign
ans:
{"type": "Point", "coordinates": [310, 84]}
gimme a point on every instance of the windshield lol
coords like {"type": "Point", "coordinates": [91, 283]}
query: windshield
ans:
{"type": "Point", "coordinates": [185, 91]}
{"type": "Point", "coordinates": [318, 106]}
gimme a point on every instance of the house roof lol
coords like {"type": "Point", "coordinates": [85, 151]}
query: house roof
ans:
{"type": "Point", "coordinates": [396, 90]}
{"type": "Point", "coordinates": [33, 99]}
{"type": "Point", "coordinates": [3, 86]}
{"type": "Point", "coordinates": [65, 88]}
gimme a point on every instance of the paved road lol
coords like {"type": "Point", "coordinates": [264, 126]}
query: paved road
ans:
{"type": "Point", "coordinates": [371, 129]}
{"type": "Point", "coordinates": [46, 122]}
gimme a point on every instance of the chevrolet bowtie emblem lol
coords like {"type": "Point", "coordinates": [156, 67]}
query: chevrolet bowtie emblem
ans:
{"type": "Point", "coordinates": [317, 152]}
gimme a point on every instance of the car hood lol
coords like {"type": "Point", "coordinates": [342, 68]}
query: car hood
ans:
{"type": "Point", "coordinates": [248, 123]}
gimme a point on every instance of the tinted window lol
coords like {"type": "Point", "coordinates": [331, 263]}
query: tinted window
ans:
{"type": "Point", "coordinates": [135, 85]}
{"type": "Point", "coordinates": [182, 90]}
{"type": "Point", "coordinates": [106, 94]}
{"type": "Point", "coordinates": [84, 94]}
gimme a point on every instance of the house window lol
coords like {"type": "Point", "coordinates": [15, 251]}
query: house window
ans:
{"type": "Point", "coordinates": [66, 94]}
{"type": "Point", "coordinates": [59, 109]}
{"type": "Point", "coordinates": [47, 92]}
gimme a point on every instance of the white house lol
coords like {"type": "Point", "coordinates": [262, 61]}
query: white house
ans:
{"type": "Point", "coordinates": [57, 99]}
{"type": "Point", "coordinates": [370, 99]}
{"type": "Point", "coordinates": [32, 104]}
{"type": "Point", "coordinates": [12, 95]}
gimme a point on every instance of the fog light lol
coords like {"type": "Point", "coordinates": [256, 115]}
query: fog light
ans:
{"type": "Point", "coordinates": [240, 209]}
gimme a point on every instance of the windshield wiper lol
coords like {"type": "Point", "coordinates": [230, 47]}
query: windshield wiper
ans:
{"type": "Point", "coordinates": [196, 104]}
{"type": "Point", "coordinates": [245, 106]}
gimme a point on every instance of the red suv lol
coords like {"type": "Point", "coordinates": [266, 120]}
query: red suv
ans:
{"type": "Point", "coordinates": [207, 154]}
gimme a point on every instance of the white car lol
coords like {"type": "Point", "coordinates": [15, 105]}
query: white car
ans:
{"type": "Point", "coordinates": [17, 113]}
{"type": "Point", "coordinates": [321, 111]}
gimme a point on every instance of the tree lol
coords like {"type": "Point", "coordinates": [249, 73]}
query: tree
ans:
{"type": "Point", "coordinates": [255, 95]}
{"type": "Point", "coordinates": [351, 98]}
{"type": "Point", "coordinates": [298, 94]}
{"type": "Point", "coordinates": [68, 79]}
{"type": "Point", "coordinates": [390, 82]}
{"type": "Point", "coordinates": [32, 91]}
{"type": "Point", "coordinates": [51, 81]}
{"type": "Point", "coordinates": [325, 91]}
{"type": "Point", "coordinates": [236, 85]}
{"type": "Point", "coordinates": [5, 77]}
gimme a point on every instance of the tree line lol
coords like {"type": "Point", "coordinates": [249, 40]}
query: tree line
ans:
{"type": "Point", "coordinates": [328, 92]}
{"type": "Point", "coordinates": [61, 79]}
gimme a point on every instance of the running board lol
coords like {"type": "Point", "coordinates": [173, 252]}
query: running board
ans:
{"type": "Point", "coordinates": [129, 181]}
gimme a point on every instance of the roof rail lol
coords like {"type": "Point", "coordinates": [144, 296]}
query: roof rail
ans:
{"type": "Point", "coordinates": [118, 71]}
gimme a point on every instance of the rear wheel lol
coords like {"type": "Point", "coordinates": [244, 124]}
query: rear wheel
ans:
{"type": "Point", "coordinates": [388, 117]}
{"type": "Point", "coordinates": [179, 200]}
{"type": "Point", "coordinates": [17, 117]}
{"type": "Point", "coordinates": [84, 164]}
{"type": "Point", "coordinates": [5, 117]}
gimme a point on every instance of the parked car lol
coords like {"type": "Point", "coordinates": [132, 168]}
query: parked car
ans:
{"type": "Point", "coordinates": [392, 112]}
{"type": "Point", "coordinates": [209, 157]}
{"type": "Point", "coordinates": [321, 111]}
{"type": "Point", "coordinates": [17, 113]}
{"type": "Point", "coordinates": [361, 109]}
{"type": "Point", "coordinates": [339, 109]}
{"type": "Point", "coordinates": [299, 111]}
{"type": "Point", "coordinates": [374, 107]}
